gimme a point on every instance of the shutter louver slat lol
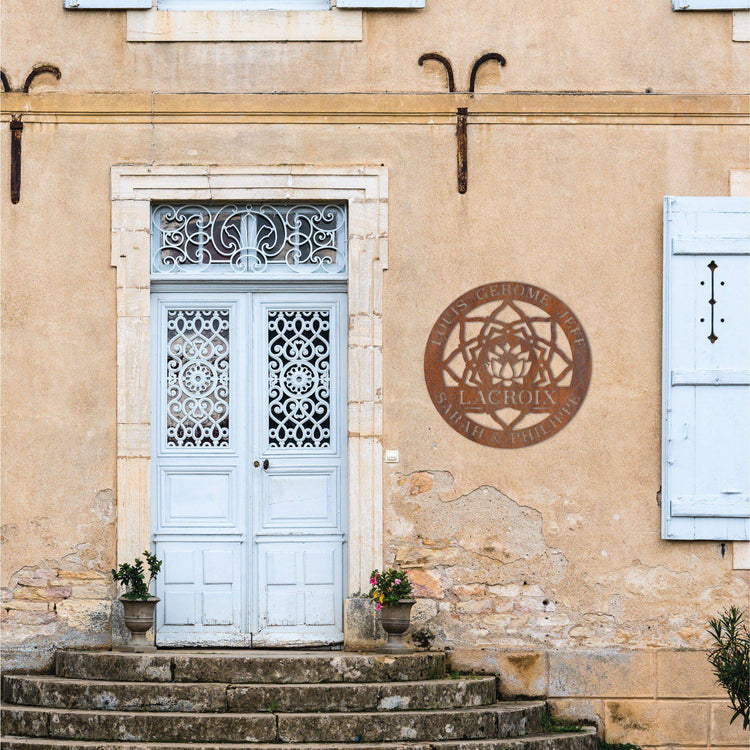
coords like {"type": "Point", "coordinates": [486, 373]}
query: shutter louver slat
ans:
{"type": "Point", "coordinates": [706, 369]}
{"type": "Point", "coordinates": [713, 507]}
{"type": "Point", "coordinates": [711, 377]}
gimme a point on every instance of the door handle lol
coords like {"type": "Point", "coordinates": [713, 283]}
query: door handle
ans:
{"type": "Point", "coordinates": [258, 464]}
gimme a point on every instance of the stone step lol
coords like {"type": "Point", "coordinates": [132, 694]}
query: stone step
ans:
{"type": "Point", "coordinates": [500, 720]}
{"type": "Point", "coordinates": [32, 721]}
{"type": "Point", "coordinates": [96, 695]}
{"type": "Point", "coordinates": [249, 666]}
{"type": "Point", "coordinates": [569, 741]}
{"type": "Point", "coordinates": [366, 696]}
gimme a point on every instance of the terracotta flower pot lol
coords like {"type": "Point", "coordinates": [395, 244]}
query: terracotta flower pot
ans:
{"type": "Point", "coordinates": [395, 619]}
{"type": "Point", "coordinates": [139, 619]}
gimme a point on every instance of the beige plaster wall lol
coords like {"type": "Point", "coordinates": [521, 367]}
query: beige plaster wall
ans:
{"type": "Point", "coordinates": [558, 543]}
{"type": "Point", "coordinates": [553, 549]}
{"type": "Point", "coordinates": [564, 45]}
{"type": "Point", "coordinates": [554, 546]}
{"type": "Point", "coordinates": [545, 564]}
{"type": "Point", "coordinates": [58, 392]}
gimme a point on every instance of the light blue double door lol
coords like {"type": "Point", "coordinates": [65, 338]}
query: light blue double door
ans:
{"type": "Point", "coordinates": [249, 467]}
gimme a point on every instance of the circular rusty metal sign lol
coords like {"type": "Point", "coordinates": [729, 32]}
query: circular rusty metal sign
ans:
{"type": "Point", "coordinates": [507, 365]}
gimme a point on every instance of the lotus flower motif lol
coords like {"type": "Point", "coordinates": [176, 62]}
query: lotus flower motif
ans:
{"type": "Point", "coordinates": [508, 363]}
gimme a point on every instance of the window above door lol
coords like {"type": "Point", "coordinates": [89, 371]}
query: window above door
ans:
{"type": "Point", "coordinates": [208, 5]}
{"type": "Point", "coordinates": [243, 20]}
{"type": "Point", "coordinates": [217, 5]}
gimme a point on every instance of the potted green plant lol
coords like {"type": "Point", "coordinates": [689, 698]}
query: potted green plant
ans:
{"type": "Point", "coordinates": [391, 591]}
{"type": "Point", "coordinates": [137, 602]}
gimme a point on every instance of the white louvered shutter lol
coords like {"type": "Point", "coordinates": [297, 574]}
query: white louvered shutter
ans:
{"type": "Point", "coordinates": [106, 4]}
{"type": "Point", "coordinates": [706, 369]}
{"type": "Point", "coordinates": [710, 4]}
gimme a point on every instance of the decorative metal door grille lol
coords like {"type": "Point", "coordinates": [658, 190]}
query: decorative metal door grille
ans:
{"type": "Point", "coordinates": [299, 378]}
{"type": "Point", "coordinates": [249, 239]}
{"type": "Point", "coordinates": [197, 378]}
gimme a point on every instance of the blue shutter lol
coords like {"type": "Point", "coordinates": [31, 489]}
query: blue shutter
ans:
{"type": "Point", "coordinates": [706, 369]}
{"type": "Point", "coordinates": [380, 3]}
{"type": "Point", "coordinates": [710, 4]}
{"type": "Point", "coordinates": [106, 4]}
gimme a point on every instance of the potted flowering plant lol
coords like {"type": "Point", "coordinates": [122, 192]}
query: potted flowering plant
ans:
{"type": "Point", "coordinates": [391, 591]}
{"type": "Point", "coordinates": [137, 602]}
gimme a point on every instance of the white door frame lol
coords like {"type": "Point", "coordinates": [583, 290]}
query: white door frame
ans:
{"type": "Point", "coordinates": [365, 191]}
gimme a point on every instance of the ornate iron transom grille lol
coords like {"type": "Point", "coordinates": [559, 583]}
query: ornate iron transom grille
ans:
{"type": "Point", "coordinates": [198, 378]}
{"type": "Point", "coordinates": [299, 378]}
{"type": "Point", "coordinates": [249, 239]}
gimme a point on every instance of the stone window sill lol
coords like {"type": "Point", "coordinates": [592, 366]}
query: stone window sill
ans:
{"type": "Point", "coordinates": [245, 26]}
{"type": "Point", "coordinates": [741, 26]}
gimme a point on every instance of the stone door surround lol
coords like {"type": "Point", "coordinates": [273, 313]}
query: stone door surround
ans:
{"type": "Point", "coordinates": [365, 189]}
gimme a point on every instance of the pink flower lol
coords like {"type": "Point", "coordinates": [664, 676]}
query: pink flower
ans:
{"type": "Point", "coordinates": [378, 605]}
{"type": "Point", "coordinates": [397, 581]}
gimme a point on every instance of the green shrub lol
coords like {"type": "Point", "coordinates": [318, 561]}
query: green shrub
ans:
{"type": "Point", "coordinates": [731, 660]}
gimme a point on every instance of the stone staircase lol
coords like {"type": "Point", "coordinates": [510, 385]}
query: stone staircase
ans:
{"type": "Point", "coordinates": [214, 700]}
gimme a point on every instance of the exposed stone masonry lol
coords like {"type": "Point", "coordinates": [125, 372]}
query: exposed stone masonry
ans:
{"type": "Point", "coordinates": [66, 601]}
{"type": "Point", "coordinates": [490, 573]}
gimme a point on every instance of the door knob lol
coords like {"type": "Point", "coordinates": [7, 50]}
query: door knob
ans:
{"type": "Point", "coordinates": [257, 464]}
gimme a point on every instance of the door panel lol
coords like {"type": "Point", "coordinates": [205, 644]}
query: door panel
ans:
{"type": "Point", "coordinates": [201, 592]}
{"type": "Point", "coordinates": [196, 498]}
{"type": "Point", "coordinates": [301, 595]}
{"type": "Point", "coordinates": [198, 342]}
{"type": "Point", "coordinates": [199, 467]}
{"type": "Point", "coordinates": [302, 430]}
{"type": "Point", "coordinates": [300, 497]}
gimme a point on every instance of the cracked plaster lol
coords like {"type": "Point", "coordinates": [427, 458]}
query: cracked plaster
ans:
{"type": "Point", "coordinates": [487, 575]}
{"type": "Point", "coordinates": [61, 601]}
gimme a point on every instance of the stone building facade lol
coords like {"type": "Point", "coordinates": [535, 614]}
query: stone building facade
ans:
{"type": "Point", "coordinates": [546, 563]}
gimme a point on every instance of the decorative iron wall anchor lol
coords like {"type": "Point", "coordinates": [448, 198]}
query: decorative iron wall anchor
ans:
{"type": "Point", "coordinates": [462, 113]}
{"type": "Point", "coordinates": [445, 62]}
{"type": "Point", "coordinates": [16, 131]}
{"type": "Point", "coordinates": [462, 148]}
{"type": "Point", "coordinates": [481, 61]}
{"type": "Point", "coordinates": [16, 125]}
